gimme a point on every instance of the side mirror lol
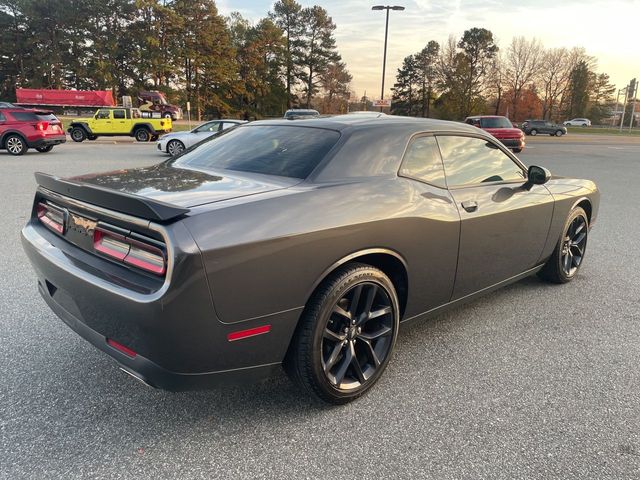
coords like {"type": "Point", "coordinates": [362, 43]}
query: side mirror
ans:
{"type": "Point", "coordinates": [538, 175]}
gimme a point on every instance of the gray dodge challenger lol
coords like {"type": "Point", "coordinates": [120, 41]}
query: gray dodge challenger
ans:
{"type": "Point", "coordinates": [299, 244]}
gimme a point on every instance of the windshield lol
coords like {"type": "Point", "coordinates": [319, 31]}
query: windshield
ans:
{"type": "Point", "coordinates": [302, 113]}
{"type": "Point", "coordinates": [286, 151]}
{"type": "Point", "coordinates": [495, 122]}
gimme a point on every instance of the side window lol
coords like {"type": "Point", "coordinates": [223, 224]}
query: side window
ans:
{"type": "Point", "coordinates": [102, 114]}
{"type": "Point", "coordinates": [118, 114]}
{"type": "Point", "coordinates": [2, 119]}
{"type": "Point", "coordinates": [226, 125]}
{"type": "Point", "coordinates": [469, 161]}
{"type": "Point", "coordinates": [209, 127]}
{"type": "Point", "coordinates": [422, 161]}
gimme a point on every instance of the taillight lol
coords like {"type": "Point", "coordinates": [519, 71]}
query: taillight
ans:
{"type": "Point", "coordinates": [42, 126]}
{"type": "Point", "coordinates": [51, 216]}
{"type": "Point", "coordinates": [138, 252]}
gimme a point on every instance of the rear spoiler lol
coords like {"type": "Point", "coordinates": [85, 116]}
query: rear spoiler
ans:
{"type": "Point", "coordinates": [122, 202]}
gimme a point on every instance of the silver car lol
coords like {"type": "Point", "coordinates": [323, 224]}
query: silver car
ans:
{"type": "Point", "coordinates": [578, 122]}
{"type": "Point", "coordinates": [174, 143]}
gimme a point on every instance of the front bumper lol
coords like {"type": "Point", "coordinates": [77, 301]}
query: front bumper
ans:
{"type": "Point", "coordinates": [512, 142]}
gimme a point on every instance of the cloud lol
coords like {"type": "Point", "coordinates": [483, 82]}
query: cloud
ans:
{"type": "Point", "coordinates": [606, 28]}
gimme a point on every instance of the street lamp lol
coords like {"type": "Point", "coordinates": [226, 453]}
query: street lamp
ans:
{"type": "Point", "coordinates": [386, 31]}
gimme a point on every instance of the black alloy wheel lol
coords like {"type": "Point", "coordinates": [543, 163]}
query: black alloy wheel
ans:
{"type": "Point", "coordinates": [574, 245]}
{"type": "Point", "coordinates": [346, 334]}
{"type": "Point", "coordinates": [357, 336]}
{"type": "Point", "coordinates": [45, 149]}
{"type": "Point", "coordinates": [175, 147]}
{"type": "Point", "coordinates": [15, 145]}
{"type": "Point", "coordinates": [568, 256]}
{"type": "Point", "coordinates": [142, 135]}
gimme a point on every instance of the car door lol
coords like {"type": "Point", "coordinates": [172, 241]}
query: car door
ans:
{"type": "Point", "coordinates": [504, 221]}
{"type": "Point", "coordinates": [119, 122]}
{"type": "Point", "coordinates": [101, 122]}
{"type": "Point", "coordinates": [434, 228]}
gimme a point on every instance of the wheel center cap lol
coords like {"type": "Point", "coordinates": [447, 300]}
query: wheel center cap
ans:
{"type": "Point", "coordinates": [353, 333]}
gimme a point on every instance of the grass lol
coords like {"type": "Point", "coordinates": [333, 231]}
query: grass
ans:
{"type": "Point", "coordinates": [603, 131]}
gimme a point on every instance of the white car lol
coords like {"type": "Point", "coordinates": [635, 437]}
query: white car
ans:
{"type": "Point", "coordinates": [578, 122]}
{"type": "Point", "coordinates": [174, 143]}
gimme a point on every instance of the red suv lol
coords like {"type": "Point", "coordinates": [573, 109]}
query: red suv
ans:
{"type": "Point", "coordinates": [22, 129]}
{"type": "Point", "coordinates": [501, 128]}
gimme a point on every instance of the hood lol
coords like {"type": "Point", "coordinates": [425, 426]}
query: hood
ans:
{"type": "Point", "coordinates": [184, 187]}
{"type": "Point", "coordinates": [176, 134]}
{"type": "Point", "coordinates": [504, 132]}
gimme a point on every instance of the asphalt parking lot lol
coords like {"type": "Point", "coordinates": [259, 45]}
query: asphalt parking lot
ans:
{"type": "Point", "coordinates": [533, 381]}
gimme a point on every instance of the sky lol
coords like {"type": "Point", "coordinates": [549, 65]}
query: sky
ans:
{"type": "Point", "coordinates": [608, 30]}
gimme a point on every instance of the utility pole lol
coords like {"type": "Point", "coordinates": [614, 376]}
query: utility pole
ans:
{"type": "Point", "coordinates": [633, 86]}
{"type": "Point", "coordinates": [386, 32]}
{"type": "Point", "coordinates": [624, 106]}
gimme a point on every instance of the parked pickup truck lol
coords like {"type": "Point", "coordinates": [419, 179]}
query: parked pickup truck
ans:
{"type": "Point", "coordinates": [119, 121]}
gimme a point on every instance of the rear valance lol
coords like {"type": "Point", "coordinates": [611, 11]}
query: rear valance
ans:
{"type": "Point", "coordinates": [122, 202]}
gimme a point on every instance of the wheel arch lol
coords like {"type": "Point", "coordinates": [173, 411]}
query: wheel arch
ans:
{"type": "Point", "coordinates": [9, 133]}
{"type": "Point", "coordinates": [585, 204]}
{"type": "Point", "coordinates": [389, 261]}
{"type": "Point", "coordinates": [82, 125]}
{"type": "Point", "coordinates": [138, 126]}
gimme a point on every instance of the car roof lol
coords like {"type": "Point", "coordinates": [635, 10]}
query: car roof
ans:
{"type": "Point", "coordinates": [342, 122]}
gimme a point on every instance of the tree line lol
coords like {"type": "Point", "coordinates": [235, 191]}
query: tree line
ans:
{"type": "Point", "coordinates": [184, 48]}
{"type": "Point", "coordinates": [472, 75]}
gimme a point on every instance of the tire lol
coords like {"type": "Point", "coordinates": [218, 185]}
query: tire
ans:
{"type": "Point", "coordinates": [559, 133]}
{"type": "Point", "coordinates": [334, 356]}
{"type": "Point", "coordinates": [167, 115]}
{"type": "Point", "coordinates": [533, 132]}
{"type": "Point", "coordinates": [78, 134]}
{"type": "Point", "coordinates": [568, 256]}
{"type": "Point", "coordinates": [92, 137]}
{"type": "Point", "coordinates": [517, 150]}
{"type": "Point", "coordinates": [583, 125]}
{"type": "Point", "coordinates": [175, 147]}
{"type": "Point", "coordinates": [15, 145]}
{"type": "Point", "coordinates": [154, 137]}
{"type": "Point", "coordinates": [45, 149]}
{"type": "Point", "coordinates": [142, 135]}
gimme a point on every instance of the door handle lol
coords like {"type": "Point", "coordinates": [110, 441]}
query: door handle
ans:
{"type": "Point", "coordinates": [470, 206]}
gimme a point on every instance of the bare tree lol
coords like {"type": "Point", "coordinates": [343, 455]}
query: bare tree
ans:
{"type": "Point", "coordinates": [555, 76]}
{"type": "Point", "coordinates": [523, 62]}
{"type": "Point", "coordinates": [495, 82]}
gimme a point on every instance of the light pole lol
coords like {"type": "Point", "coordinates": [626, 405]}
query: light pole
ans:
{"type": "Point", "coordinates": [386, 31]}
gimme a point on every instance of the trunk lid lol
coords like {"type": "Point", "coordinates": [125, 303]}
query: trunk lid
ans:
{"type": "Point", "coordinates": [185, 187]}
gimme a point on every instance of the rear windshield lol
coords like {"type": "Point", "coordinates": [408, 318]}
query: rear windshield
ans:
{"type": "Point", "coordinates": [34, 117]}
{"type": "Point", "coordinates": [497, 122]}
{"type": "Point", "coordinates": [286, 151]}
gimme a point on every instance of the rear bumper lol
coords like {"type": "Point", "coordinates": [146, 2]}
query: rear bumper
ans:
{"type": "Point", "coordinates": [150, 372]}
{"type": "Point", "coordinates": [48, 140]}
{"type": "Point", "coordinates": [179, 342]}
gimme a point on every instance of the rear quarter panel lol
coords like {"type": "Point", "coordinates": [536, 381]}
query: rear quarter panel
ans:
{"type": "Point", "coordinates": [266, 255]}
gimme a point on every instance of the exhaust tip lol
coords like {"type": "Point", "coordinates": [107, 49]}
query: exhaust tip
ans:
{"type": "Point", "coordinates": [136, 376]}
